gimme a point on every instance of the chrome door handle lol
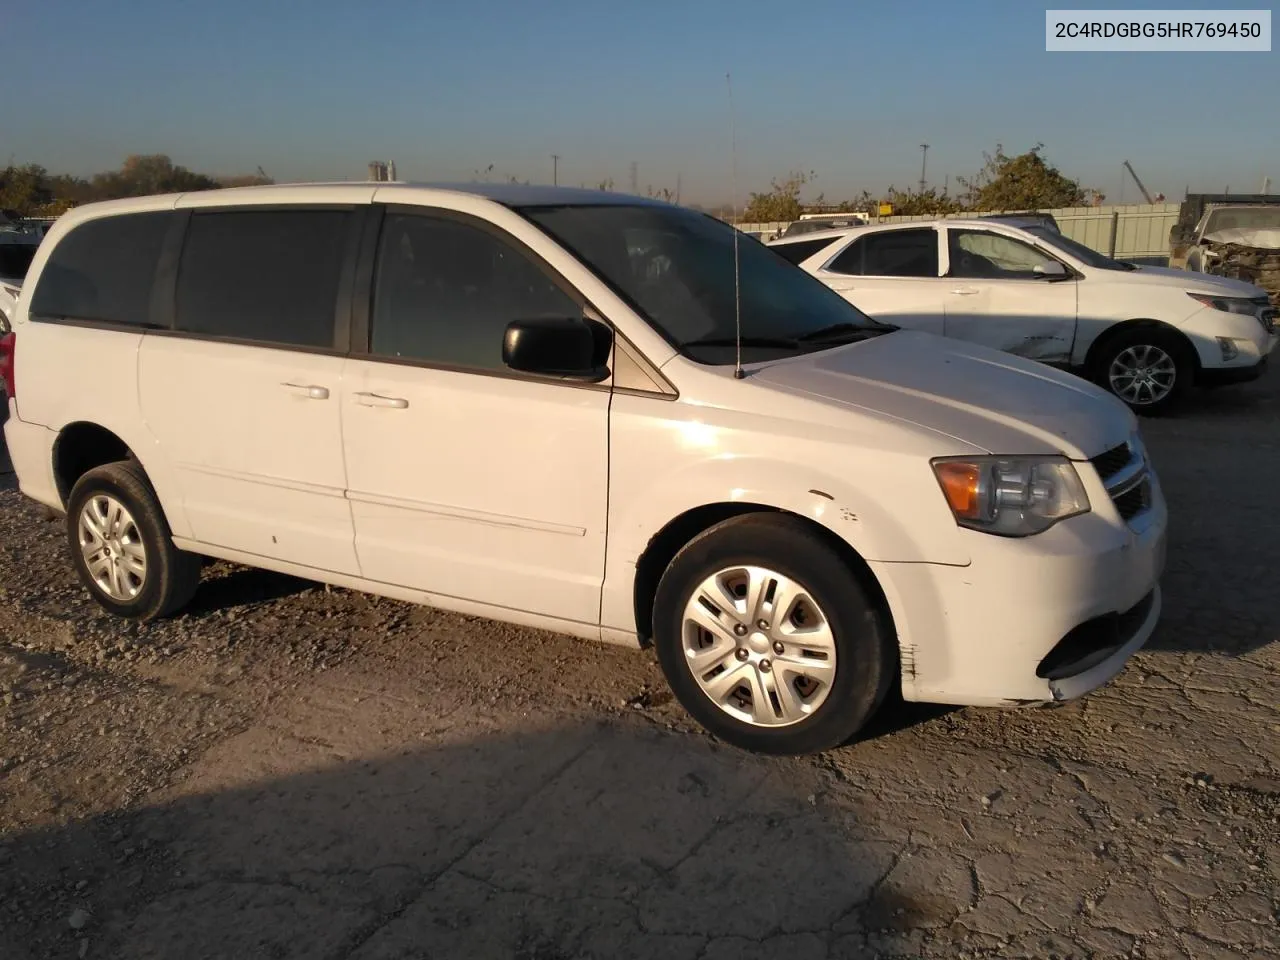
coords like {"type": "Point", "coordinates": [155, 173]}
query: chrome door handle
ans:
{"type": "Point", "coordinates": [378, 400]}
{"type": "Point", "coordinates": [965, 291]}
{"type": "Point", "coordinates": [311, 391]}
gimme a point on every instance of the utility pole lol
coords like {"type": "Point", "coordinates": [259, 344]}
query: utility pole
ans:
{"type": "Point", "coordinates": [555, 169]}
{"type": "Point", "coordinates": [635, 177]}
{"type": "Point", "coordinates": [924, 157]}
{"type": "Point", "coordinates": [678, 188]}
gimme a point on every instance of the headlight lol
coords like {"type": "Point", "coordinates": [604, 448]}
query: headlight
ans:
{"type": "Point", "coordinates": [1011, 496]}
{"type": "Point", "coordinates": [1248, 306]}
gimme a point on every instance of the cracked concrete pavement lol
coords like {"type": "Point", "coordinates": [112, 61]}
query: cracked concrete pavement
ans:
{"type": "Point", "coordinates": [288, 771]}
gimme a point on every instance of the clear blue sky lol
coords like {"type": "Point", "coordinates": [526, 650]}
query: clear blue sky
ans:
{"type": "Point", "coordinates": [849, 89]}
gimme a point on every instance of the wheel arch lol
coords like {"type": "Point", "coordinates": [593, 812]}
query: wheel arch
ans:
{"type": "Point", "coordinates": [680, 530]}
{"type": "Point", "coordinates": [81, 445]}
{"type": "Point", "coordinates": [1097, 348]}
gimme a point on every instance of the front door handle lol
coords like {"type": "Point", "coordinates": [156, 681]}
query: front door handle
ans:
{"type": "Point", "coordinates": [378, 400]}
{"type": "Point", "coordinates": [965, 291]}
{"type": "Point", "coordinates": [311, 391]}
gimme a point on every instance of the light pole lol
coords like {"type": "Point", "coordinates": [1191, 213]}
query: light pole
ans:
{"type": "Point", "coordinates": [924, 156]}
{"type": "Point", "coordinates": [555, 169]}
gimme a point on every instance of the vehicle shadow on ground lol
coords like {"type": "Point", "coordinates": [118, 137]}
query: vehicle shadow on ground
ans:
{"type": "Point", "coordinates": [1219, 581]}
{"type": "Point", "coordinates": [571, 841]}
{"type": "Point", "coordinates": [225, 586]}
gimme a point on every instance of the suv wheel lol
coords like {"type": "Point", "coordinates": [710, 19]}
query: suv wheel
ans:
{"type": "Point", "coordinates": [122, 547]}
{"type": "Point", "coordinates": [1146, 368]}
{"type": "Point", "coordinates": [767, 638]}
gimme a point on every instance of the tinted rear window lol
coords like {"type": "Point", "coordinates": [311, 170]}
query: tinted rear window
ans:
{"type": "Point", "coordinates": [103, 270]}
{"type": "Point", "coordinates": [269, 275]}
{"type": "Point", "coordinates": [803, 250]}
{"type": "Point", "coordinates": [15, 259]}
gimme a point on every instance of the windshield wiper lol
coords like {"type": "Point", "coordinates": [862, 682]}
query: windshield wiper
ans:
{"type": "Point", "coordinates": [789, 343]}
{"type": "Point", "coordinates": [846, 331]}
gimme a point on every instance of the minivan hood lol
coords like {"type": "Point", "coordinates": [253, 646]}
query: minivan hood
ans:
{"type": "Point", "coordinates": [1192, 281]}
{"type": "Point", "coordinates": [988, 399]}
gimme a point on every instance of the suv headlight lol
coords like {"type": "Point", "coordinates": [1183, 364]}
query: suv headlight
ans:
{"type": "Point", "coordinates": [1011, 496]}
{"type": "Point", "coordinates": [1249, 306]}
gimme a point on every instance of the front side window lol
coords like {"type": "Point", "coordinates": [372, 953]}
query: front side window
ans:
{"type": "Point", "coordinates": [268, 276]}
{"type": "Point", "coordinates": [676, 269]}
{"type": "Point", "coordinates": [103, 270]}
{"type": "Point", "coordinates": [446, 290]}
{"type": "Point", "coordinates": [979, 255]}
{"type": "Point", "coordinates": [893, 253]}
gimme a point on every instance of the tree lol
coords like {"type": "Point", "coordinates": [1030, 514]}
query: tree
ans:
{"type": "Point", "coordinates": [781, 202]}
{"type": "Point", "coordinates": [1024, 182]}
{"type": "Point", "coordinates": [605, 184]}
{"type": "Point", "coordinates": [914, 203]}
{"type": "Point", "coordinates": [140, 176]}
{"type": "Point", "coordinates": [24, 190]}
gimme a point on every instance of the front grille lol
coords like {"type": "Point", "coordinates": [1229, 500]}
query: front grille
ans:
{"type": "Point", "coordinates": [1134, 500]}
{"type": "Point", "coordinates": [1111, 462]}
{"type": "Point", "coordinates": [1124, 472]}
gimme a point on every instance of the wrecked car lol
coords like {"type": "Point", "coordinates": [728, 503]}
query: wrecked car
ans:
{"type": "Point", "coordinates": [1147, 334]}
{"type": "Point", "coordinates": [1241, 242]}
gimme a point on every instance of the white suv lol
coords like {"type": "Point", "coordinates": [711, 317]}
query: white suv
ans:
{"type": "Point", "coordinates": [1145, 333]}
{"type": "Point", "coordinates": [525, 403]}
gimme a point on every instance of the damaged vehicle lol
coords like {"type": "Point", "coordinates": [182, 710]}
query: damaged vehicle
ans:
{"type": "Point", "coordinates": [1240, 242]}
{"type": "Point", "coordinates": [1147, 334]}
{"type": "Point", "coordinates": [573, 410]}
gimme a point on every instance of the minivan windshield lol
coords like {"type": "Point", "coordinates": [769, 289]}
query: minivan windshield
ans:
{"type": "Point", "coordinates": [1086, 255]}
{"type": "Point", "coordinates": [676, 267]}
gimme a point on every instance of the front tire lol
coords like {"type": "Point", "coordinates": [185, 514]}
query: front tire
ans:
{"type": "Point", "coordinates": [121, 545]}
{"type": "Point", "coordinates": [1147, 368]}
{"type": "Point", "coordinates": [768, 639]}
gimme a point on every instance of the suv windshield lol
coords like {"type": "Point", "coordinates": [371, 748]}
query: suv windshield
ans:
{"type": "Point", "coordinates": [1086, 255]}
{"type": "Point", "coordinates": [15, 258]}
{"type": "Point", "coordinates": [1243, 218]}
{"type": "Point", "coordinates": [676, 268]}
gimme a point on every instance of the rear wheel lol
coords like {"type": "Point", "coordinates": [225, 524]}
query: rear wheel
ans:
{"type": "Point", "coordinates": [1146, 368]}
{"type": "Point", "coordinates": [122, 547]}
{"type": "Point", "coordinates": [768, 639]}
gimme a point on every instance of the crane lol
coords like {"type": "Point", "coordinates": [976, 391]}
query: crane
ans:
{"type": "Point", "coordinates": [1128, 166]}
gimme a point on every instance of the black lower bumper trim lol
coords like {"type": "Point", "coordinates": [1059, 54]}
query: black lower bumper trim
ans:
{"type": "Point", "coordinates": [1223, 376]}
{"type": "Point", "coordinates": [1093, 641]}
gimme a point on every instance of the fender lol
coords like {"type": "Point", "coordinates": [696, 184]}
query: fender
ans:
{"type": "Point", "coordinates": [640, 507]}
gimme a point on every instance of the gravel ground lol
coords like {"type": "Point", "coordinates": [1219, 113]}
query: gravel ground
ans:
{"type": "Point", "coordinates": [290, 771]}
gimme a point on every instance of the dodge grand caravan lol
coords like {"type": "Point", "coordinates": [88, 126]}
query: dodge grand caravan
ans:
{"type": "Point", "coordinates": [570, 410]}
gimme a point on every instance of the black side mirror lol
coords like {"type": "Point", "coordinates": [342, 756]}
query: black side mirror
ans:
{"type": "Point", "coordinates": [566, 347]}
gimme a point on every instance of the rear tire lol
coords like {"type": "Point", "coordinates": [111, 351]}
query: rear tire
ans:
{"type": "Point", "coordinates": [791, 656]}
{"type": "Point", "coordinates": [1147, 368]}
{"type": "Point", "coordinates": [121, 545]}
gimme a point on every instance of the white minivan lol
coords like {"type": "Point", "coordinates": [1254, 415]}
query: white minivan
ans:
{"type": "Point", "coordinates": [570, 409]}
{"type": "Point", "coordinates": [1145, 333]}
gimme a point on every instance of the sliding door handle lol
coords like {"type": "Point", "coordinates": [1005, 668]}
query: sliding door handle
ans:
{"type": "Point", "coordinates": [378, 400]}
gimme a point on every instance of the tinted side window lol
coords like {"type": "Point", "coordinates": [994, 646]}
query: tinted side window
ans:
{"type": "Point", "coordinates": [264, 275]}
{"type": "Point", "coordinates": [103, 270]}
{"type": "Point", "coordinates": [894, 253]}
{"type": "Point", "coordinates": [445, 292]}
{"type": "Point", "coordinates": [797, 252]}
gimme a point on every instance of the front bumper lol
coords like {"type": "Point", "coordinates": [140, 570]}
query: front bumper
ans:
{"type": "Point", "coordinates": [1036, 620]}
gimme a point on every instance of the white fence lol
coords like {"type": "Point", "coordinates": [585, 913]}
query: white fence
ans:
{"type": "Point", "coordinates": [1132, 231]}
